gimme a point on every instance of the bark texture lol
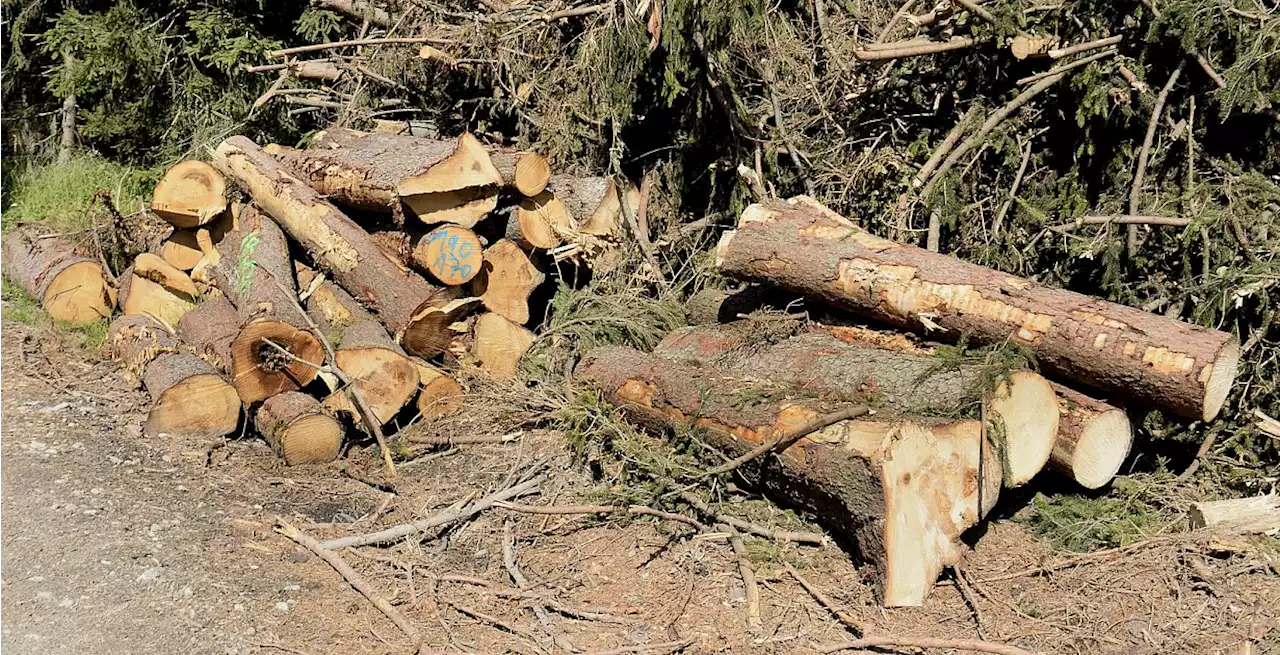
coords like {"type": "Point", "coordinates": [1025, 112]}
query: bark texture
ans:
{"type": "Point", "coordinates": [189, 399]}
{"type": "Point", "coordinates": [1093, 438]}
{"type": "Point", "coordinates": [134, 340]}
{"type": "Point", "coordinates": [1153, 360]}
{"type": "Point", "coordinates": [297, 428]}
{"type": "Point", "coordinates": [70, 287]}
{"type": "Point", "coordinates": [210, 329]}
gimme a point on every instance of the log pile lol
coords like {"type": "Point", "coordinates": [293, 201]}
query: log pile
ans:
{"type": "Point", "coordinates": [944, 432]}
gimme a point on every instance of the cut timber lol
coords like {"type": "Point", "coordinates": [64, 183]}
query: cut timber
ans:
{"type": "Point", "coordinates": [335, 243]}
{"type": "Point", "coordinates": [1175, 366]}
{"type": "Point", "coordinates": [190, 194]}
{"type": "Point", "coordinates": [440, 396]}
{"type": "Point", "coordinates": [69, 287]}
{"type": "Point", "coordinates": [298, 429]}
{"type": "Point", "coordinates": [507, 280]}
{"type": "Point", "coordinates": [256, 275]}
{"type": "Point", "coordinates": [468, 165]}
{"type": "Point", "coordinates": [1093, 439]}
{"type": "Point", "coordinates": [499, 344]}
{"type": "Point", "coordinates": [541, 221]}
{"type": "Point", "coordinates": [527, 172]}
{"type": "Point", "coordinates": [183, 250]}
{"type": "Point", "coordinates": [712, 306]}
{"type": "Point", "coordinates": [463, 207]}
{"type": "Point", "coordinates": [210, 329]}
{"type": "Point", "coordinates": [433, 330]}
{"type": "Point", "coordinates": [135, 340]}
{"type": "Point", "coordinates": [594, 203]}
{"type": "Point", "coordinates": [1257, 515]}
{"type": "Point", "coordinates": [451, 253]}
{"type": "Point", "coordinates": [189, 399]}
{"type": "Point", "coordinates": [158, 290]}
{"type": "Point", "coordinates": [378, 368]}
{"type": "Point", "coordinates": [901, 491]}
{"type": "Point", "coordinates": [1021, 410]}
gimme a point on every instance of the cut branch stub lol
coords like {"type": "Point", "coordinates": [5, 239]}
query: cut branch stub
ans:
{"type": "Point", "coordinates": [451, 253]}
{"type": "Point", "coordinates": [71, 288]}
{"type": "Point", "coordinates": [1093, 439]}
{"type": "Point", "coordinates": [507, 280]}
{"type": "Point", "coordinates": [500, 344]}
{"type": "Point", "coordinates": [189, 398]}
{"type": "Point", "coordinates": [297, 428]}
{"type": "Point", "coordinates": [190, 194]}
{"type": "Point", "coordinates": [527, 172]}
{"type": "Point", "coordinates": [1175, 366]}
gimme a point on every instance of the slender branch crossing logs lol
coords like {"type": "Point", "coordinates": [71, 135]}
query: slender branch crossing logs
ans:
{"type": "Point", "coordinates": [190, 194]}
{"type": "Point", "coordinates": [70, 288]}
{"type": "Point", "coordinates": [336, 244]}
{"type": "Point", "coordinates": [296, 426]}
{"type": "Point", "coordinates": [901, 491]}
{"type": "Point", "coordinates": [911, 49]}
{"type": "Point", "coordinates": [507, 280]}
{"type": "Point", "coordinates": [500, 344]}
{"type": "Point", "coordinates": [1093, 439]}
{"type": "Point", "coordinates": [1125, 352]}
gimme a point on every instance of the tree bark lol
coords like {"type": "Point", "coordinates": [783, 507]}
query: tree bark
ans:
{"type": "Point", "coordinates": [901, 492]}
{"type": "Point", "coordinates": [71, 288]}
{"type": "Point", "coordinates": [1175, 366]}
{"type": "Point", "coordinates": [1093, 439]}
{"type": "Point", "coordinates": [1020, 410]}
{"type": "Point", "coordinates": [134, 340]}
{"type": "Point", "coordinates": [297, 428]}
{"type": "Point", "coordinates": [68, 142]}
{"type": "Point", "coordinates": [189, 398]}
{"type": "Point", "coordinates": [336, 244]}
{"type": "Point", "coordinates": [210, 329]}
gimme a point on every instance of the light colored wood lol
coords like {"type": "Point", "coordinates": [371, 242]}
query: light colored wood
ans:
{"type": "Point", "coordinates": [260, 371]}
{"type": "Point", "coordinates": [297, 428]}
{"type": "Point", "coordinates": [191, 193]}
{"type": "Point", "coordinates": [468, 166]}
{"type": "Point", "coordinates": [433, 330]}
{"type": "Point", "coordinates": [440, 396]}
{"type": "Point", "coordinates": [542, 219]}
{"type": "Point", "coordinates": [463, 207]}
{"type": "Point", "coordinates": [500, 344]}
{"type": "Point", "coordinates": [1256, 515]}
{"type": "Point", "coordinates": [451, 253]}
{"type": "Point", "coordinates": [70, 287]}
{"type": "Point", "coordinates": [1093, 439]}
{"type": "Point", "coordinates": [1023, 402]}
{"type": "Point", "coordinates": [158, 290]}
{"type": "Point", "coordinates": [507, 280]}
{"type": "Point", "coordinates": [189, 399]}
{"type": "Point", "coordinates": [184, 248]}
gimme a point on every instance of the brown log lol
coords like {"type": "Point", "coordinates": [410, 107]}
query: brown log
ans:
{"type": "Point", "coordinates": [506, 281]}
{"type": "Point", "coordinates": [527, 172]}
{"type": "Point", "coordinates": [434, 328]}
{"type": "Point", "coordinates": [499, 344]}
{"type": "Point", "coordinates": [1021, 410]}
{"type": "Point", "coordinates": [1093, 439]}
{"type": "Point", "coordinates": [183, 248]}
{"type": "Point", "coordinates": [452, 254]}
{"type": "Point", "coordinates": [712, 306]}
{"type": "Point", "coordinates": [256, 274]}
{"type": "Point", "coordinates": [158, 290]}
{"type": "Point", "coordinates": [902, 492]}
{"type": "Point", "coordinates": [189, 398]}
{"type": "Point", "coordinates": [441, 395]}
{"type": "Point", "coordinates": [190, 194]}
{"type": "Point", "coordinates": [1122, 351]}
{"type": "Point", "coordinates": [297, 428]}
{"type": "Point", "coordinates": [336, 244]}
{"type": "Point", "coordinates": [210, 329]}
{"type": "Point", "coordinates": [71, 288]}
{"type": "Point", "coordinates": [382, 373]}
{"type": "Point", "coordinates": [134, 340]}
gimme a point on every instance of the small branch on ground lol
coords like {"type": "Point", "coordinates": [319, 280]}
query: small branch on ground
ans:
{"type": "Point", "coordinates": [824, 600]}
{"type": "Point", "coordinates": [975, 645]}
{"type": "Point", "coordinates": [539, 609]}
{"type": "Point", "coordinates": [748, 577]}
{"type": "Point", "coordinates": [746, 526]}
{"type": "Point", "coordinates": [914, 50]}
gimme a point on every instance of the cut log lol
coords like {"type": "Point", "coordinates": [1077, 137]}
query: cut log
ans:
{"type": "Point", "coordinates": [378, 368]}
{"type": "Point", "coordinates": [1122, 351]}
{"type": "Point", "coordinates": [190, 194]}
{"type": "Point", "coordinates": [507, 280]}
{"type": "Point", "coordinates": [435, 327]}
{"type": "Point", "coordinates": [135, 340]}
{"type": "Point", "coordinates": [602, 217]}
{"type": "Point", "coordinates": [500, 344]}
{"type": "Point", "coordinates": [158, 290]}
{"type": "Point", "coordinates": [335, 243]}
{"type": "Point", "coordinates": [256, 274]}
{"type": "Point", "coordinates": [210, 329]}
{"type": "Point", "coordinates": [463, 207]}
{"type": "Point", "coordinates": [542, 221]}
{"type": "Point", "coordinates": [1256, 515]}
{"type": "Point", "coordinates": [440, 396]}
{"type": "Point", "coordinates": [712, 306]}
{"type": "Point", "coordinates": [1021, 410]}
{"type": "Point", "coordinates": [527, 172]}
{"type": "Point", "coordinates": [71, 288]}
{"type": "Point", "coordinates": [1093, 439]}
{"type": "Point", "coordinates": [298, 429]}
{"type": "Point", "coordinates": [902, 492]}
{"type": "Point", "coordinates": [183, 249]}
{"type": "Point", "coordinates": [451, 254]}
{"type": "Point", "coordinates": [189, 399]}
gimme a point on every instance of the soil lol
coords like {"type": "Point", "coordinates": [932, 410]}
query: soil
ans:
{"type": "Point", "coordinates": [114, 543]}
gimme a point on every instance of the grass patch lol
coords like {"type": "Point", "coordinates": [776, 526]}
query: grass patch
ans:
{"type": "Point", "coordinates": [61, 196]}
{"type": "Point", "coordinates": [1132, 511]}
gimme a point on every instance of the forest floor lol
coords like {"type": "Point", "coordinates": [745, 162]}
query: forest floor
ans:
{"type": "Point", "coordinates": [114, 543]}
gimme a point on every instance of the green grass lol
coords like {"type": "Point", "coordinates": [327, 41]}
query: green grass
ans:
{"type": "Point", "coordinates": [61, 196]}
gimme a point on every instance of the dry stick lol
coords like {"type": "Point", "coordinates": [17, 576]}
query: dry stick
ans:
{"type": "Point", "coordinates": [1208, 69]}
{"type": "Point", "coordinates": [1123, 219]}
{"type": "Point", "coordinates": [1068, 66]}
{"type": "Point", "coordinates": [669, 647]}
{"type": "Point", "coordinates": [784, 440]}
{"type": "Point", "coordinates": [962, 586]}
{"type": "Point", "coordinates": [975, 139]}
{"type": "Point", "coordinates": [899, 15]}
{"type": "Point", "coordinates": [451, 515]}
{"type": "Point", "coordinates": [276, 54]}
{"type": "Point", "coordinates": [539, 610]}
{"type": "Point", "coordinates": [956, 43]}
{"type": "Point", "coordinates": [1201, 453]}
{"type": "Point", "coordinates": [942, 150]}
{"type": "Point", "coordinates": [599, 509]}
{"type": "Point", "coordinates": [824, 600]}
{"type": "Point", "coordinates": [786, 139]}
{"type": "Point", "coordinates": [975, 9]}
{"type": "Point", "coordinates": [926, 642]}
{"type": "Point", "coordinates": [492, 620]}
{"type": "Point", "coordinates": [1013, 192]}
{"type": "Point", "coordinates": [642, 237]}
{"type": "Point", "coordinates": [747, 526]}
{"type": "Point", "coordinates": [748, 576]}
{"type": "Point", "coordinates": [1186, 190]}
{"type": "Point", "coordinates": [1079, 559]}
{"type": "Point", "coordinates": [1135, 191]}
{"type": "Point", "coordinates": [335, 560]}
{"type": "Point", "coordinates": [1059, 53]}
{"type": "Point", "coordinates": [457, 441]}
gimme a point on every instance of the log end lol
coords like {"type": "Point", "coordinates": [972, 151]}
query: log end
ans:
{"type": "Point", "coordinates": [386, 379]}
{"type": "Point", "coordinates": [1101, 449]}
{"type": "Point", "coordinates": [541, 217]}
{"type": "Point", "coordinates": [463, 207]}
{"type": "Point", "coordinates": [191, 193]}
{"type": "Point", "coordinates": [440, 397]}
{"type": "Point", "coordinates": [428, 333]}
{"type": "Point", "coordinates": [500, 344]}
{"type": "Point", "coordinates": [79, 294]}
{"type": "Point", "coordinates": [200, 407]}
{"type": "Point", "coordinates": [451, 253]}
{"type": "Point", "coordinates": [261, 370]}
{"type": "Point", "coordinates": [298, 429]}
{"type": "Point", "coordinates": [532, 174]}
{"type": "Point", "coordinates": [1222, 376]}
{"type": "Point", "coordinates": [1027, 409]}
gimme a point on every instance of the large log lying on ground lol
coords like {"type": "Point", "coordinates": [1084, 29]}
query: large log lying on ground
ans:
{"type": "Point", "coordinates": [336, 244]}
{"type": "Point", "coordinates": [71, 288]}
{"type": "Point", "coordinates": [1021, 409]}
{"type": "Point", "coordinates": [256, 274]}
{"type": "Point", "coordinates": [296, 426]}
{"type": "Point", "coordinates": [1163, 362]}
{"type": "Point", "coordinates": [901, 491]}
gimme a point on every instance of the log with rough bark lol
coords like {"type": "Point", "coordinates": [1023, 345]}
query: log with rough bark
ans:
{"type": "Point", "coordinates": [902, 492]}
{"type": "Point", "coordinates": [210, 329]}
{"type": "Point", "coordinates": [71, 288]}
{"type": "Point", "coordinates": [499, 344]}
{"type": "Point", "coordinates": [336, 244]}
{"type": "Point", "coordinates": [712, 306]}
{"type": "Point", "coordinates": [440, 395]}
{"type": "Point", "coordinates": [379, 369]}
{"type": "Point", "coordinates": [526, 172]}
{"type": "Point", "coordinates": [1126, 352]}
{"type": "Point", "coordinates": [189, 398]}
{"type": "Point", "coordinates": [134, 340]}
{"type": "Point", "coordinates": [256, 274]}
{"type": "Point", "coordinates": [506, 281]}
{"type": "Point", "coordinates": [1093, 439]}
{"type": "Point", "coordinates": [436, 325]}
{"type": "Point", "coordinates": [154, 288]}
{"type": "Point", "coordinates": [298, 429]}
{"type": "Point", "coordinates": [1021, 409]}
{"type": "Point", "coordinates": [1256, 515]}
{"type": "Point", "coordinates": [190, 194]}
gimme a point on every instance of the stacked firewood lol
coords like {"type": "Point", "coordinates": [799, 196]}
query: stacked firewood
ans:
{"type": "Point", "coordinates": [355, 275]}
{"type": "Point", "coordinates": [925, 461]}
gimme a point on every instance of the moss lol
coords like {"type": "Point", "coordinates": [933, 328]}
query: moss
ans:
{"type": "Point", "coordinates": [62, 196]}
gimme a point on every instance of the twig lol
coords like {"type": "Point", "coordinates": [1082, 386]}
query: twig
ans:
{"type": "Point", "coordinates": [451, 515]}
{"type": "Point", "coordinates": [977, 10]}
{"type": "Point", "coordinates": [785, 137]}
{"type": "Point", "coordinates": [1059, 53]}
{"type": "Point", "coordinates": [748, 577]}
{"type": "Point", "coordinates": [335, 560]}
{"type": "Point", "coordinates": [1267, 424]}
{"type": "Point", "coordinates": [462, 440]}
{"type": "Point", "coordinates": [669, 647]}
{"type": "Point", "coordinates": [955, 43]}
{"type": "Point", "coordinates": [926, 642]}
{"type": "Point", "coordinates": [555, 15]}
{"type": "Point", "coordinates": [782, 441]}
{"type": "Point", "coordinates": [942, 150]}
{"type": "Point", "coordinates": [824, 600]}
{"type": "Point", "coordinates": [1068, 66]}
{"type": "Point", "coordinates": [1123, 219]}
{"type": "Point", "coordinates": [1135, 191]}
{"type": "Point", "coordinates": [1013, 192]}
{"type": "Point", "coordinates": [1201, 453]}
{"type": "Point", "coordinates": [962, 586]}
{"type": "Point", "coordinates": [749, 527]}
{"type": "Point", "coordinates": [539, 610]}
{"type": "Point", "coordinates": [642, 237]}
{"type": "Point", "coordinates": [315, 47]}
{"type": "Point", "coordinates": [1208, 69]}
{"type": "Point", "coordinates": [487, 618]}
{"type": "Point", "coordinates": [897, 16]}
{"type": "Point", "coordinates": [1079, 559]}
{"type": "Point", "coordinates": [599, 509]}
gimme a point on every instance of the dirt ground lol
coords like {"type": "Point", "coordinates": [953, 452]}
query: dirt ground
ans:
{"type": "Point", "coordinates": [114, 543]}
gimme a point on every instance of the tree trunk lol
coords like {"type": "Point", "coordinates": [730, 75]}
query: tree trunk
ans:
{"type": "Point", "coordinates": [433, 331]}
{"type": "Point", "coordinates": [70, 288]}
{"type": "Point", "coordinates": [68, 141]}
{"type": "Point", "coordinates": [1020, 409]}
{"type": "Point", "coordinates": [378, 368]}
{"type": "Point", "coordinates": [255, 273]}
{"type": "Point", "coordinates": [335, 243]}
{"type": "Point", "coordinates": [210, 329]}
{"type": "Point", "coordinates": [298, 429]}
{"type": "Point", "coordinates": [1093, 439]}
{"type": "Point", "coordinates": [189, 399]}
{"type": "Point", "coordinates": [190, 194]}
{"type": "Point", "coordinates": [135, 340]}
{"type": "Point", "coordinates": [1175, 366]}
{"type": "Point", "coordinates": [507, 280]}
{"type": "Point", "coordinates": [902, 492]}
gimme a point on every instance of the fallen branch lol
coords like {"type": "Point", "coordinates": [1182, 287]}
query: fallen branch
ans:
{"type": "Point", "coordinates": [925, 642]}
{"type": "Point", "coordinates": [1059, 53]}
{"type": "Point", "coordinates": [1062, 68]}
{"type": "Point", "coordinates": [1079, 559]}
{"type": "Point", "coordinates": [749, 527]}
{"type": "Point", "coordinates": [539, 609]}
{"type": "Point", "coordinates": [600, 509]}
{"type": "Point", "coordinates": [956, 43]}
{"type": "Point", "coordinates": [1123, 219]}
{"type": "Point", "coordinates": [824, 600]}
{"type": "Point", "coordinates": [1013, 191]}
{"type": "Point", "coordinates": [463, 440]}
{"type": "Point", "coordinates": [977, 10]}
{"type": "Point", "coordinates": [331, 45]}
{"type": "Point", "coordinates": [787, 438]}
{"type": "Point", "coordinates": [1135, 191]}
{"type": "Point", "coordinates": [669, 647]}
